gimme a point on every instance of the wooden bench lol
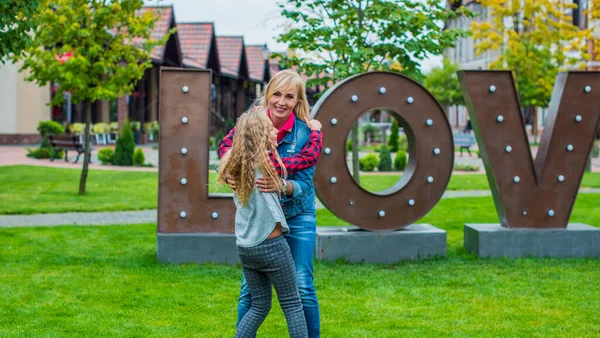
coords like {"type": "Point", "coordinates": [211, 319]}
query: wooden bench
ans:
{"type": "Point", "coordinates": [66, 143]}
{"type": "Point", "coordinates": [464, 141]}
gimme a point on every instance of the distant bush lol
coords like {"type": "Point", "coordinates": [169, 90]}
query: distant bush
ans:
{"type": "Point", "coordinates": [106, 155]}
{"type": "Point", "coordinates": [138, 157]}
{"type": "Point", "coordinates": [466, 167]}
{"type": "Point", "coordinates": [369, 162]}
{"type": "Point", "coordinates": [400, 160]}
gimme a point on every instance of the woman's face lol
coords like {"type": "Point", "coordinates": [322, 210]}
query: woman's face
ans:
{"type": "Point", "coordinates": [282, 103]}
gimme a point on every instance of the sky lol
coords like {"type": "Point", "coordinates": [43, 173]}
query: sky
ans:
{"type": "Point", "coordinates": [259, 21]}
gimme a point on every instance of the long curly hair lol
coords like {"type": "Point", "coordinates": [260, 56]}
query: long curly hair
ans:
{"type": "Point", "coordinates": [250, 152]}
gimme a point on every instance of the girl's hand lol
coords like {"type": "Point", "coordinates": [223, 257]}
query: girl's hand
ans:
{"type": "Point", "coordinates": [257, 108]}
{"type": "Point", "coordinates": [314, 125]}
{"type": "Point", "coordinates": [266, 185]}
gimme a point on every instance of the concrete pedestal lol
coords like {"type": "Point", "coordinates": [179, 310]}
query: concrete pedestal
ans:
{"type": "Point", "coordinates": [353, 244]}
{"type": "Point", "coordinates": [196, 248]}
{"type": "Point", "coordinates": [493, 240]}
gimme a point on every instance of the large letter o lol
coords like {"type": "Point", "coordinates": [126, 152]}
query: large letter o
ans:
{"type": "Point", "coordinates": [431, 151]}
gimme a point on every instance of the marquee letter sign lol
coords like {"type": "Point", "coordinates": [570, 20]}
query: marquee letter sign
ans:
{"type": "Point", "coordinates": [431, 151]}
{"type": "Point", "coordinates": [184, 205]}
{"type": "Point", "coordinates": [529, 195]}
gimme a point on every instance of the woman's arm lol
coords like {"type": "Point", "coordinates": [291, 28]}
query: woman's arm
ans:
{"type": "Point", "coordinates": [307, 158]}
{"type": "Point", "coordinates": [226, 143]}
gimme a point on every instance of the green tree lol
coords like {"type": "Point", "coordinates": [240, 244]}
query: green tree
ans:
{"type": "Point", "coordinates": [94, 49]}
{"type": "Point", "coordinates": [331, 40]}
{"type": "Point", "coordinates": [16, 27]}
{"type": "Point", "coordinates": [535, 45]}
{"type": "Point", "coordinates": [443, 83]}
{"type": "Point", "coordinates": [385, 159]}
{"type": "Point", "coordinates": [393, 143]}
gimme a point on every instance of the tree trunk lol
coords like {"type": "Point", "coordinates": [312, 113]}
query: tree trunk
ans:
{"type": "Point", "coordinates": [534, 125]}
{"type": "Point", "coordinates": [86, 157]}
{"type": "Point", "coordinates": [355, 166]}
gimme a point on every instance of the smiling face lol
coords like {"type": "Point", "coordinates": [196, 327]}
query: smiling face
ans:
{"type": "Point", "coordinates": [282, 103]}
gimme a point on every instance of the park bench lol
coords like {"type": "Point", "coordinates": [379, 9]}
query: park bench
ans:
{"type": "Point", "coordinates": [464, 141]}
{"type": "Point", "coordinates": [66, 143]}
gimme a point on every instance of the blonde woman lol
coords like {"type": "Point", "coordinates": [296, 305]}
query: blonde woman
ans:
{"type": "Point", "coordinates": [288, 109]}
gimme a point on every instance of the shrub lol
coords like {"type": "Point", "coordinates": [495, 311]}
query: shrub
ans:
{"type": "Point", "coordinates": [106, 155]}
{"type": "Point", "coordinates": [41, 153]}
{"type": "Point", "coordinates": [46, 128]}
{"type": "Point", "coordinates": [385, 159]}
{"type": "Point", "coordinates": [349, 146]}
{"type": "Point", "coordinates": [125, 146]}
{"type": "Point", "coordinates": [403, 143]}
{"type": "Point", "coordinates": [138, 157]}
{"type": "Point", "coordinates": [369, 162]}
{"type": "Point", "coordinates": [400, 160]}
{"type": "Point", "coordinates": [393, 142]}
{"type": "Point", "coordinates": [38, 153]}
{"type": "Point", "coordinates": [465, 167]}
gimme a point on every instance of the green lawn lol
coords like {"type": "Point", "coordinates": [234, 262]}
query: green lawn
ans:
{"type": "Point", "coordinates": [30, 189]}
{"type": "Point", "coordinates": [105, 281]}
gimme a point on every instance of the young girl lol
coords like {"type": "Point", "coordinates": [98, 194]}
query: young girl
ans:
{"type": "Point", "coordinates": [260, 223]}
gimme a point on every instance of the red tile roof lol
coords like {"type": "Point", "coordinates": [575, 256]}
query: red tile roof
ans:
{"type": "Point", "coordinates": [230, 53]}
{"type": "Point", "coordinates": [195, 40]}
{"type": "Point", "coordinates": [256, 62]}
{"type": "Point", "coordinates": [161, 27]}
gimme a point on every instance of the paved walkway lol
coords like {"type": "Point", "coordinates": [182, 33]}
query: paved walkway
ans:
{"type": "Point", "coordinates": [150, 216]}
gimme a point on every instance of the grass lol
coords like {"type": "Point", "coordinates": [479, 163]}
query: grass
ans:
{"type": "Point", "coordinates": [31, 190]}
{"type": "Point", "coordinates": [105, 281]}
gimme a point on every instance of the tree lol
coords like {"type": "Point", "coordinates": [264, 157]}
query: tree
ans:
{"type": "Point", "coordinates": [94, 49]}
{"type": "Point", "coordinates": [330, 40]}
{"type": "Point", "coordinates": [385, 159]}
{"type": "Point", "coordinates": [443, 83]}
{"type": "Point", "coordinates": [16, 26]}
{"type": "Point", "coordinates": [394, 136]}
{"type": "Point", "coordinates": [539, 42]}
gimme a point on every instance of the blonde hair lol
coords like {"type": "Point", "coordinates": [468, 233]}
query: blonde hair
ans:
{"type": "Point", "coordinates": [282, 80]}
{"type": "Point", "coordinates": [248, 153]}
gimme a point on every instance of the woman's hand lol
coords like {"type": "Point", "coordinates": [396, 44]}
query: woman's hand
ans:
{"type": "Point", "coordinates": [266, 185]}
{"type": "Point", "coordinates": [230, 183]}
{"type": "Point", "coordinates": [314, 125]}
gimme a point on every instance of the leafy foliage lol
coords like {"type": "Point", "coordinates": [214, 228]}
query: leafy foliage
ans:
{"type": "Point", "coordinates": [539, 41]}
{"type": "Point", "coordinates": [46, 128]}
{"type": "Point", "coordinates": [443, 83]}
{"type": "Point", "coordinates": [335, 39]}
{"type": "Point", "coordinates": [16, 27]}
